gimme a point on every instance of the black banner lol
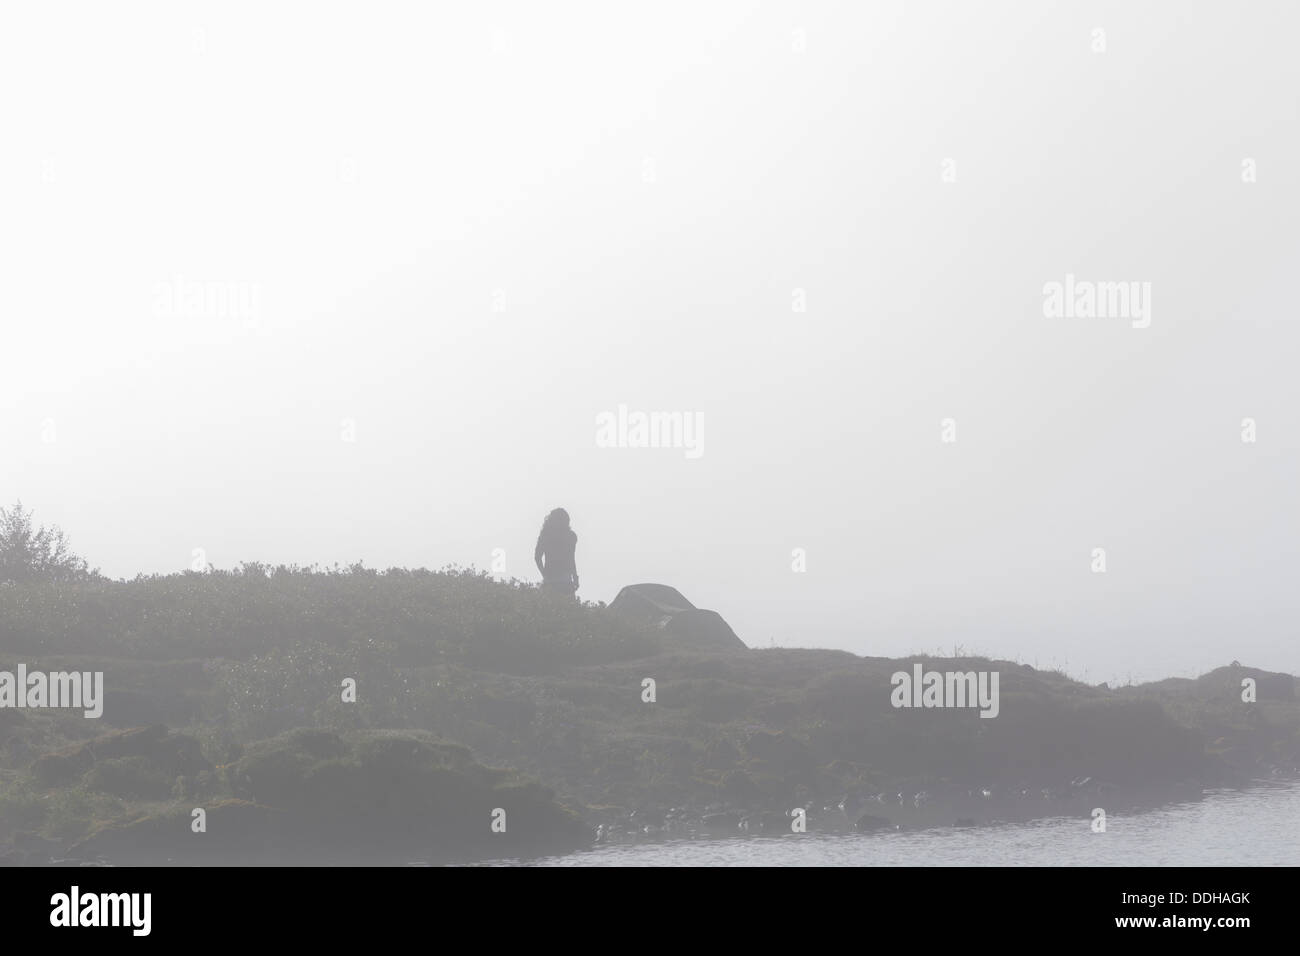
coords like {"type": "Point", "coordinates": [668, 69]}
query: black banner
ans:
{"type": "Point", "coordinates": [333, 906]}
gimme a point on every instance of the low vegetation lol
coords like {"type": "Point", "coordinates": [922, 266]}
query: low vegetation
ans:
{"type": "Point", "coordinates": [225, 691]}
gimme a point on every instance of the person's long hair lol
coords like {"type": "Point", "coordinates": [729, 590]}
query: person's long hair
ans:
{"type": "Point", "coordinates": [556, 521]}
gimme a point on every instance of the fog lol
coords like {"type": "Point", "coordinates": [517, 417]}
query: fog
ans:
{"type": "Point", "coordinates": [433, 245]}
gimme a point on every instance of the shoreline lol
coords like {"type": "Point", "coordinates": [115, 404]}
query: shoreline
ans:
{"type": "Point", "coordinates": [465, 695]}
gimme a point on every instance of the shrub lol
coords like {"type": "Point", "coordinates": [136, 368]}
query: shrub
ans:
{"type": "Point", "coordinates": [31, 553]}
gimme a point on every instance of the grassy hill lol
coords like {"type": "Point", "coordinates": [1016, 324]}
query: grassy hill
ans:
{"type": "Point", "coordinates": [237, 678]}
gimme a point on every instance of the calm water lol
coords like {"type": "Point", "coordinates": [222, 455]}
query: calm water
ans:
{"type": "Point", "coordinates": [1258, 827]}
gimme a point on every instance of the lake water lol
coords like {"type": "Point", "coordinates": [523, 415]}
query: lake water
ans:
{"type": "Point", "coordinates": [1255, 827]}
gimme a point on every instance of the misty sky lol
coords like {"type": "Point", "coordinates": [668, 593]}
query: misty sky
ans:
{"type": "Point", "coordinates": [459, 235]}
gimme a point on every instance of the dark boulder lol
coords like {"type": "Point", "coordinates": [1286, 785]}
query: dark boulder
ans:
{"type": "Point", "coordinates": [650, 602]}
{"type": "Point", "coordinates": [680, 620]}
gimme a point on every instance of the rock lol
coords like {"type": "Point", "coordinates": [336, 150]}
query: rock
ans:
{"type": "Point", "coordinates": [127, 708]}
{"type": "Point", "coordinates": [767, 821]}
{"type": "Point", "coordinates": [34, 843]}
{"type": "Point", "coordinates": [739, 786]}
{"type": "Point", "coordinates": [164, 754]}
{"type": "Point", "coordinates": [646, 818]}
{"type": "Point", "coordinates": [681, 620]}
{"type": "Point", "coordinates": [703, 629]}
{"type": "Point", "coordinates": [852, 803]}
{"type": "Point", "coordinates": [1276, 686]}
{"type": "Point", "coordinates": [384, 792]}
{"type": "Point", "coordinates": [314, 797]}
{"type": "Point", "coordinates": [721, 821]}
{"type": "Point", "coordinates": [61, 768]}
{"type": "Point", "coordinates": [720, 754]}
{"type": "Point", "coordinates": [650, 602]}
{"type": "Point", "coordinates": [871, 822]}
{"type": "Point", "coordinates": [244, 831]}
{"type": "Point", "coordinates": [1269, 685]}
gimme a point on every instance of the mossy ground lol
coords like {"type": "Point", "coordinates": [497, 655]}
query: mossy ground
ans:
{"type": "Point", "coordinates": [243, 671]}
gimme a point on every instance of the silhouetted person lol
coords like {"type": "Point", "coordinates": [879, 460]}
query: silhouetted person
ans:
{"type": "Point", "coordinates": [555, 554]}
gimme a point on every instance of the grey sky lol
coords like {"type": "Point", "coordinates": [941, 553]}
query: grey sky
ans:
{"type": "Point", "coordinates": [471, 231]}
